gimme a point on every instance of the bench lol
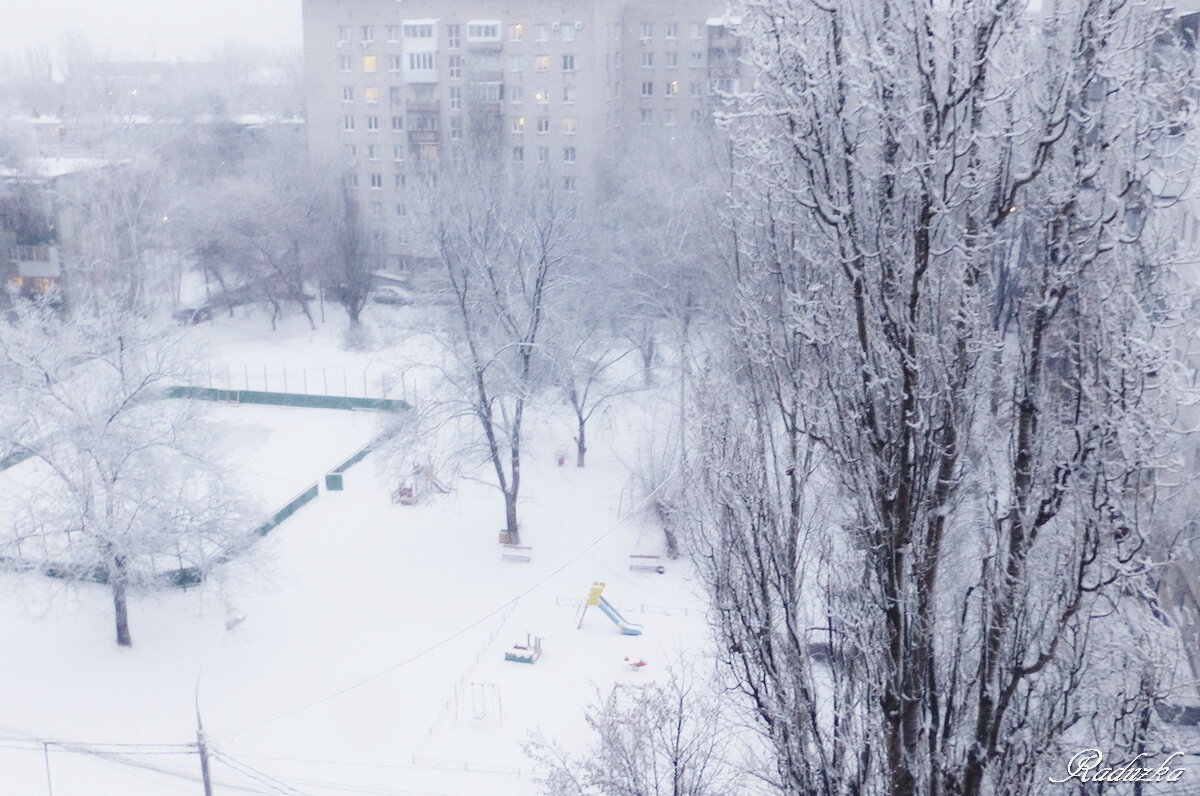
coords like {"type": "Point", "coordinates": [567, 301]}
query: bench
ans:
{"type": "Point", "coordinates": [515, 552]}
{"type": "Point", "coordinates": [639, 563]}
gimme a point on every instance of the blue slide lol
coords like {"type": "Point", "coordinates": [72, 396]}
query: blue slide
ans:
{"type": "Point", "coordinates": [628, 628]}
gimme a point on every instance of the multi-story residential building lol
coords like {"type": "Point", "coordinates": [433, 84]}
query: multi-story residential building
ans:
{"type": "Point", "coordinates": [553, 87]}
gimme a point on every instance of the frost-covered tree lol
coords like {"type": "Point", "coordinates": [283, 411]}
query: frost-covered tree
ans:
{"type": "Point", "coordinates": [927, 484]}
{"type": "Point", "coordinates": [120, 483]}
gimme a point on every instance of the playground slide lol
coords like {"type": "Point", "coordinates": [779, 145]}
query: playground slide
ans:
{"type": "Point", "coordinates": [628, 628]}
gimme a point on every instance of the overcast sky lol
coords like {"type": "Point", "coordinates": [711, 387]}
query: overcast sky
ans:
{"type": "Point", "coordinates": [163, 29]}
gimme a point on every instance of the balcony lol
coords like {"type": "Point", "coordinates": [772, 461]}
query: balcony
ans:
{"type": "Point", "coordinates": [36, 261]}
{"type": "Point", "coordinates": [424, 106]}
{"type": "Point", "coordinates": [424, 136]}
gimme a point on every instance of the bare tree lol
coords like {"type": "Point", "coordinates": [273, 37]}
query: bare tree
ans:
{"type": "Point", "coordinates": [927, 484]}
{"type": "Point", "coordinates": [125, 480]}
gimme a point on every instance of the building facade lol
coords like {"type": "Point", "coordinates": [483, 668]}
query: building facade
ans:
{"type": "Point", "coordinates": [555, 88]}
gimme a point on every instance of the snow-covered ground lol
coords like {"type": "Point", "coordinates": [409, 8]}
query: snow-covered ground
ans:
{"type": "Point", "coordinates": [371, 654]}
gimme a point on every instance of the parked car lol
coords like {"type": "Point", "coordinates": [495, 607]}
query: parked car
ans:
{"type": "Point", "coordinates": [189, 316]}
{"type": "Point", "coordinates": [390, 294]}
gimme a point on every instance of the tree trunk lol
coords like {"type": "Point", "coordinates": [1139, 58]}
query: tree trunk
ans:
{"type": "Point", "coordinates": [117, 578]}
{"type": "Point", "coordinates": [581, 443]}
{"type": "Point", "coordinates": [510, 516]}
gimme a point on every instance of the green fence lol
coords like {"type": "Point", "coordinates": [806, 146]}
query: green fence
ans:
{"type": "Point", "coordinates": [287, 399]}
{"type": "Point", "coordinates": [14, 458]}
{"type": "Point", "coordinates": [335, 479]}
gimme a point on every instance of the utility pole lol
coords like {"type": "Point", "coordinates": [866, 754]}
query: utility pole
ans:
{"type": "Point", "coordinates": [203, 747]}
{"type": "Point", "coordinates": [46, 754]}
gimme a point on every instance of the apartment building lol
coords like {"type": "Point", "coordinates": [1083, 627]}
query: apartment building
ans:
{"type": "Point", "coordinates": [555, 88]}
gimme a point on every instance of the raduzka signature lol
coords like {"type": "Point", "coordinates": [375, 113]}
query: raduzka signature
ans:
{"type": "Point", "coordinates": [1088, 766]}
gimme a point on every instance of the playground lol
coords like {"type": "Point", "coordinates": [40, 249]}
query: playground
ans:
{"type": "Point", "coordinates": [375, 642]}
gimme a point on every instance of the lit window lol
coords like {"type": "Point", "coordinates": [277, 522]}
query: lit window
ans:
{"type": "Point", "coordinates": [568, 94]}
{"type": "Point", "coordinates": [393, 32]}
{"type": "Point", "coordinates": [568, 62]}
{"type": "Point", "coordinates": [453, 36]}
{"type": "Point", "coordinates": [348, 124]}
{"type": "Point", "coordinates": [373, 123]}
{"type": "Point", "coordinates": [395, 63]}
{"type": "Point", "coordinates": [418, 31]}
{"type": "Point", "coordinates": [456, 67]}
{"type": "Point", "coordinates": [516, 93]}
{"type": "Point", "coordinates": [397, 124]}
{"type": "Point", "coordinates": [344, 63]}
{"type": "Point", "coordinates": [542, 63]}
{"type": "Point", "coordinates": [368, 33]}
{"type": "Point", "coordinates": [518, 124]}
{"type": "Point", "coordinates": [515, 63]}
{"type": "Point", "coordinates": [542, 96]}
{"type": "Point", "coordinates": [672, 30]}
{"type": "Point", "coordinates": [543, 125]}
{"type": "Point", "coordinates": [647, 88]}
{"type": "Point", "coordinates": [673, 88]}
{"type": "Point", "coordinates": [671, 59]}
{"type": "Point", "coordinates": [348, 94]}
{"type": "Point", "coordinates": [543, 31]}
{"type": "Point", "coordinates": [568, 31]}
{"type": "Point", "coordinates": [377, 181]}
{"type": "Point", "coordinates": [569, 154]}
{"type": "Point", "coordinates": [647, 59]}
{"type": "Point", "coordinates": [371, 95]}
{"type": "Point", "coordinates": [647, 30]}
{"type": "Point", "coordinates": [570, 125]}
{"type": "Point", "coordinates": [370, 63]}
{"type": "Point", "coordinates": [456, 98]}
{"type": "Point", "coordinates": [516, 32]}
{"type": "Point", "coordinates": [343, 34]}
{"type": "Point", "coordinates": [518, 154]}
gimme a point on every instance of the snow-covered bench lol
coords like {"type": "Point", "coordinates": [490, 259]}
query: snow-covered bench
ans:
{"type": "Point", "coordinates": [640, 563]}
{"type": "Point", "coordinates": [515, 552]}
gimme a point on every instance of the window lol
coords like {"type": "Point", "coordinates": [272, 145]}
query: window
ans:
{"type": "Point", "coordinates": [568, 154]}
{"type": "Point", "coordinates": [543, 154]}
{"type": "Point", "coordinates": [568, 94]}
{"type": "Point", "coordinates": [697, 58]}
{"type": "Point", "coordinates": [720, 84]}
{"type": "Point", "coordinates": [454, 36]}
{"type": "Point", "coordinates": [456, 128]}
{"type": "Point", "coordinates": [647, 59]}
{"type": "Point", "coordinates": [516, 32]}
{"type": "Point", "coordinates": [569, 184]}
{"type": "Point", "coordinates": [673, 88]}
{"type": "Point", "coordinates": [697, 116]}
{"type": "Point", "coordinates": [401, 210]}
{"type": "Point", "coordinates": [647, 30]}
{"type": "Point", "coordinates": [542, 63]}
{"type": "Point", "coordinates": [420, 61]}
{"type": "Point", "coordinates": [419, 31]}
{"type": "Point", "coordinates": [354, 180]}
{"type": "Point", "coordinates": [516, 93]}
{"type": "Point", "coordinates": [348, 124]}
{"type": "Point", "coordinates": [377, 209]}
{"type": "Point", "coordinates": [671, 60]}
{"type": "Point", "coordinates": [343, 34]}
{"type": "Point", "coordinates": [351, 151]}
{"type": "Point", "coordinates": [456, 98]}
{"type": "Point", "coordinates": [647, 88]}
{"type": "Point", "coordinates": [669, 117]}
{"type": "Point", "coordinates": [368, 33]}
{"type": "Point", "coordinates": [672, 30]}
{"type": "Point", "coordinates": [515, 63]}
{"type": "Point", "coordinates": [568, 31]}
{"type": "Point", "coordinates": [348, 94]}
{"type": "Point", "coordinates": [393, 32]}
{"type": "Point", "coordinates": [543, 124]}
{"type": "Point", "coordinates": [398, 179]}
{"type": "Point", "coordinates": [570, 125]}
{"type": "Point", "coordinates": [694, 88]}
{"type": "Point", "coordinates": [370, 63]}
{"type": "Point", "coordinates": [518, 124]}
{"type": "Point", "coordinates": [456, 67]}
{"type": "Point", "coordinates": [344, 63]}
{"type": "Point", "coordinates": [568, 63]}
{"type": "Point", "coordinates": [371, 95]}
{"type": "Point", "coordinates": [647, 116]}
{"type": "Point", "coordinates": [542, 96]}
{"type": "Point", "coordinates": [373, 123]}
{"type": "Point", "coordinates": [483, 31]}
{"type": "Point", "coordinates": [543, 31]}
{"type": "Point", "coordinates": [518, 154]}
{"type": "Point", "coordinates": [397, 124]}
{"type": "Point", "coordinates": [428, 121]}
{"type": "Point", "coordinates": [394, 95]}
{"type": "Point", "coordinates": [697, 30]}
{"type": "Point", "coordinates": [373, 151]}
{"type": "Point", "coordinates": [376, 181]}
{"type": "Point", "coordinates": [398, 155]}
{"type": "Point", "coordinates": [395, 63]}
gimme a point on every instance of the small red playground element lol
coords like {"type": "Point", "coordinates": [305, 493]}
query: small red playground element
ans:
{"type": "Point", "coordinates": [560, 456]}
{"type": "Point", "coordinates": [635, 666]}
